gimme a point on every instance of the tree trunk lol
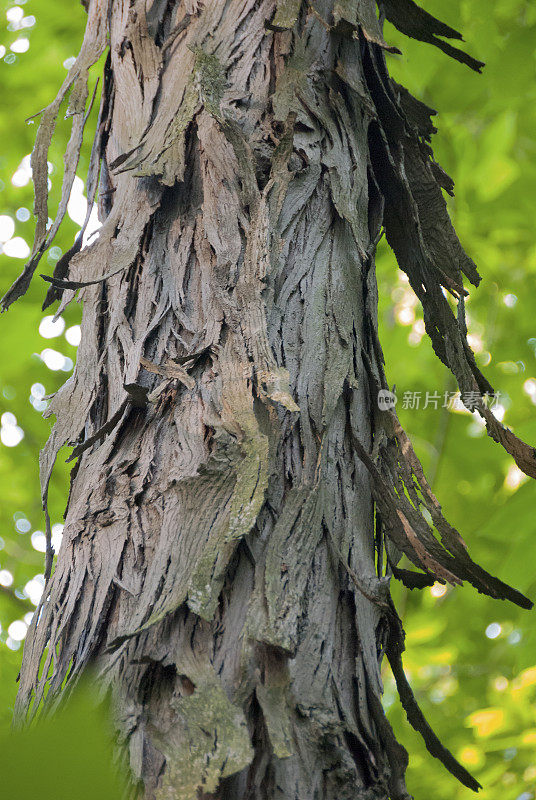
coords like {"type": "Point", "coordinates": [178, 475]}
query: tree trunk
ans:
{"type": "Point", "coordinates": [224, 566]}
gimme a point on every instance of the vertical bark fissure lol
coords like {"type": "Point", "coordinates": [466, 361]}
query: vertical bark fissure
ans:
{"type": "Point", "coordinates": [222, 567]}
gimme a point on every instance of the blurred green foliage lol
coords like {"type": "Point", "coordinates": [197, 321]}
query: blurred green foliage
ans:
{"type": "Point", "coordinates": [62, 757]}
{"type": "Point", "coordinates": [28, 82]}
{"type": "Point", "coordinates": [479, 693]}
{"type": "Point", "coordinates": [67, 756]}
{"type": "Point", "coordinates": [471, 660]}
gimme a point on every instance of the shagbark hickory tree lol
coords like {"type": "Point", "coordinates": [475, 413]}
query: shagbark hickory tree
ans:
{"type": "Point", "coordinates": [240, 502]}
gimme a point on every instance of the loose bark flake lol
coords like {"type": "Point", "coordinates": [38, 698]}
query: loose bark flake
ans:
{"type": "Point", "coordinates": [239, 502]}
{"type": "Point", "coordinates": [417, 23]}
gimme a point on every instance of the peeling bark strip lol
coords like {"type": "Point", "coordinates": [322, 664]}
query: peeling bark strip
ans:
{"type": "Point", "coordinates": [239, 502]}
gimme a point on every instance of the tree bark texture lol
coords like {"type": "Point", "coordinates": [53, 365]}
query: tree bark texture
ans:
{"type": "Point", "coordinates": [239, 501]}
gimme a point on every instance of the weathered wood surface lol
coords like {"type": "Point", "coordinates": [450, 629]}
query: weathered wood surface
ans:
{"type": "Point", "coordinates": [223, 566]}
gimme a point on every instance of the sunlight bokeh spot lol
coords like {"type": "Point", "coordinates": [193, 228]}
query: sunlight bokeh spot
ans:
{"type": "Point", "coordinates": [17, 630]}
{"type": "Point", "coordinates": [34, 589]}
{"type": "Point", "coordinates": [39, 541]}
{"type": "Point", "coordinates": [471, 756]}
{"type": "Point", "coordinates": [72, 335]}
{"type": "Point", "coordinates": [526, 678]}
{"type": "Point", "coordinates": [14, 14]}
{"type": "Point", "coordinates": [77, 210]}
{"type": "Point", "coordinates": [11, 434]}
{"type": "Point", "coordinates": [7, 228]}
{"type": "Point", "coordinates": [20, 45]}
{"type": "Point", "coordinates": [22, 214]}
{"type": "Point", "coordinates": [23, 174]}
{"type": "Point", "coordinates": [405, 315]}
{"type": "Point", "coordinates": [493, 630]}
{"type": "Point", "coordinates": [23, 525]}
{"type": "Point", "coordinates": [529, 387]}
{"type": "Point", "coordinates": [417, 332]}
{"type": "Point", "coordinates": [49, 327]}
{"type": "Point", "coordinates": [498, 411]}
{"type": "Point", "coordinates": [54, 361]}
{"type": "Point", "coordinates": [6, 578]}
{"type": "Point", "coordinates": [56, 536]}
{"type": "Point", "coordinates": [487, 721]}
{"type": "Point", "coordinates": [16, 248]}
{"type": "Point", "coordinates": [514, 477]}
{"type": "Point", "coordinates": [511, 367]}
{"type": "Point", "coordinates": [38, 391]}
{"type": "Point", "coordinates": [475, 342]}
{"type": "Point", "coordinates": [39, 405]}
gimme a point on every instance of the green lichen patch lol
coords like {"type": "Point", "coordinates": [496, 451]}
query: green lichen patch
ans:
{"type": "Point", "coordinates": [210, 80]}
{"type": "Point", "coordinates": [209, 743]}
{"type": "Point", "coordinates": [244, 507]}
{"type": "Point", "coordinates": [286, 15]}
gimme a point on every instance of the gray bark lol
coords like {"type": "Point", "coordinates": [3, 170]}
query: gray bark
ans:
{"type": "Point", "coordinates": [239, 501]}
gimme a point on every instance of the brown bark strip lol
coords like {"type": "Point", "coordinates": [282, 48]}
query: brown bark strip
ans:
{"type": "Point", "coordinates": [64, 284]}
{"type": "Point", "coordinates": [418, 721]}
{"type": "Point", "coordinates": [417, 23]}
{"type": "Point", "coordinates": [76, 82]}
{"type": "Point", "coordinates": [394, 649]}
{"type": "Point", "coordinates": [423, 239]}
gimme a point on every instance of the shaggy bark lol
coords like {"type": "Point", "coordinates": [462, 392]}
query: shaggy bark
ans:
{"type": "Point", "coordinates": [239, 501]}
